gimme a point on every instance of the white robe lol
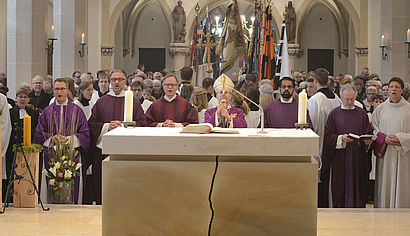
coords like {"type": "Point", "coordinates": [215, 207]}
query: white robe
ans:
{"type": "Point", "coordinates": [86, 109]}
{"type": "Point", "coordinates": [5, 131]}
{"type": "Point", "coordinates": [392, 189]}
{"type": "Point", "coordinates": [319, 107]}
{"type": "Point", "coordinates": [253, 118]}
{"type": "Point", "coordinates": [145, 105]}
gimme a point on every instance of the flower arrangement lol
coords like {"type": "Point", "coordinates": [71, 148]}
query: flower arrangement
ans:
{"type": "Point", "coordinates": [63, 169]}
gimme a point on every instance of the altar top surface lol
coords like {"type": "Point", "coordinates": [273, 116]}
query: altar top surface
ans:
{"type": "Point", "coordinates": [169, 141]}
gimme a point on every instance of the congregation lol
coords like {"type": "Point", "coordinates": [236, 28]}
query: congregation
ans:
{"type": "Point", "coordinates": [352, 172]}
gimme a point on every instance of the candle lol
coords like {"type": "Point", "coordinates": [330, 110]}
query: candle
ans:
{"type": "Point", "coordinates": [382, 42]}
{"type": "Point", "coordinates": [27, 130]}
{"type": "Point", "coordinates": [128, 105]}
{"type": "Point", "coordinates": [302, 105]}
{"type": "Point", "coordinates": [82, 38]}
{"type": "Point", "coordinates": [408, 35]}
{"type": "Point", "coordinates": [52, 31]}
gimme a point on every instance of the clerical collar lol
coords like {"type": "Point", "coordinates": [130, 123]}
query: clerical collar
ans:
{"type": "Point", "coordinates": [62, 104]}
{"type": "Point", "coordinates": [22, 113]}
{"type": "Point", "coordinates": [142, 100]}
{"type": "Point", "coordinates": [346, 108]}
{"type": "Point", "coordinates": [170, 99]}
{"type": "Point", "coordinates": [85, 102]}
{"type": "Point", "coordinates": [112, 93]}
{"type": "Point", "coordinates": [100, 94]}
{"type": "Point", "coordinates": [283, 101]}
{"type": "Point", "coordinates": [327, 93]}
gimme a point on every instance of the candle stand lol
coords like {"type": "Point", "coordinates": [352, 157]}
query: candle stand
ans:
{"type": "Point", "coordinates": [127, 124]}
{"type": "Point", "coordinates": [301, 126]}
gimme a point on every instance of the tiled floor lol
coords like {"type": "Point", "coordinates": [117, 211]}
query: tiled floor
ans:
{"type": "Point", "coordinates": [86, 220]}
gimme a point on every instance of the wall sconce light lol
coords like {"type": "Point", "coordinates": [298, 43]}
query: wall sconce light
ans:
{"type": "Point", "coordinates": [50, 43]}
{"type": "Point", "coordinates": [408, 43]}
{"type": "Point", "coordinates": [383, 46]}
{"type": "Point", "coordinates": [82, 45]}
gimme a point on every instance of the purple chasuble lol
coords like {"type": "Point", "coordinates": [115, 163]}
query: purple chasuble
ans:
{"type": "Point", "coordinates": [349, 166]}
{"type": "Point", "coordinates": [283, 115]}
{"type": "Point", "coordinates": [178, 110]}
{"type": "Point", "coordinates": [72, 122]}
{"type": "Point", "coordinates": [237, 116]}
{"type": "Point", "coordinates": [105, 110]}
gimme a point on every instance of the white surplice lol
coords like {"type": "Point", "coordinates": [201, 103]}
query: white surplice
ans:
{"type": "Point", "coordinates": [5, 131]}
{"type": "Point", "coordinates": [392, 189]}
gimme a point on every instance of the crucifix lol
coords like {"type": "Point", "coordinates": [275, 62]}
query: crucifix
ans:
{"type": "Point", "coordinates": [208, 46]}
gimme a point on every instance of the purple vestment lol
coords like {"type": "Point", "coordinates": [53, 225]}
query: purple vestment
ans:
{"type": "Point", "coordinates": [105, 110]}
{"type": "Point", "coordinates": [348, 166]}
{"type": "Point", "coordinates": [237, 116]}
{"type": "Point", "coordinates": [73, 122]}
{"type": "Point", "coordinates": [283, 115]}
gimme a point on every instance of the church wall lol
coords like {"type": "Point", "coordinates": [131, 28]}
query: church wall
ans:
{"type": "Point", "coordinates": [352, 56]}
{"type": "Point", "coordinates": [80, 63]}
{"type": "Point", "coordinates": [152, 32]}
{"type": "Point", "coordinates": [94, 35]}
{"type": "Point", "coordinates": [374, 35]}
{"type": "Point", "coordinates": [320, 34]}
{"type": "Point", "coordinates": [118, 39]}
{"type": "Point", "coordinates": [3, 35]}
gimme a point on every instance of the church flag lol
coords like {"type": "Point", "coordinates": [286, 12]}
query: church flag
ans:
{"type": "Point", "coordinates": [282, 64]}
{"type": "Point", "coordinates": [232, 43]}
{"type": "Point", "coordinates": [253, 52]}
{"type": "Point", "coordinates": [269, 62]}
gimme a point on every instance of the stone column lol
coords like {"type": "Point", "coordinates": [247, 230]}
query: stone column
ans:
{"type": "Point", "coordinates": [107, 47]}
{"type": "Point", "coordinates": [179, 52]}
{"type": "Point", "coordinates": [26, 41]}
{"type": "Point", "coordinates": [69, 22]}
{"type": "Point", "coordinates": [3, 35]}
{"type": "Point", "coordinates": [395, 20]}
{"type": "Point", "coordinates": [94, 35]}
{"type": "Point", "coordinates": [362, 58]}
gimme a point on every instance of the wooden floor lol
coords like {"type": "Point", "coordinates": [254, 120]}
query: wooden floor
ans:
{"type": "Point", "coordinates": [86, 220]}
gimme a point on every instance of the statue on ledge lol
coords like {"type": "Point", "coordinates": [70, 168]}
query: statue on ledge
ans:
{"type": "Point", "coordinates": [179, 22]}
{"type": "Point", "coordinates": [290, 21]}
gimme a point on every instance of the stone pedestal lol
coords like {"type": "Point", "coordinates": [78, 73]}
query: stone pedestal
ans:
{"type": "Point", "coordinates": [24, 193]}
{"type": "Point", "coordinates": [179, 52]}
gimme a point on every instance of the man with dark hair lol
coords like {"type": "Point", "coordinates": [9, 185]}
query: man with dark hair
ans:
{"type": "Point", "coordinates": [103, 82]}
{"type": "Point", "coordinates": [310, 87]}
{"type": "Point", "coordinates": [319, 106]}
{"type": "Point", "coordinates": [107, 114]}
{"type": "Point", "coordinates": [208, 85]}
{"type": "Point", "coordinates": [391, 121]}
{"type": "Point", "coordinates": [171, 110]}
{"type": "Point", "coordinates": [186, 75]}
{"type": "Point", "coordinates": [137, 88]}
{"type": "Point", "coordinates": [77, 77]}
{"type": "Point", "coordinates": [38, 98]}
{"type": "Point", "coordinates": [283, 113]}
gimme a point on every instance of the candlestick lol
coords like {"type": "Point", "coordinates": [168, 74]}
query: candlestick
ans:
{"type": "Point", "coordinates": [82, 38]}
{"type": "Point", "coordinates": [128, 105]}
{"type": "Point", "coordinates": [302, 107]}
{"type": "Point", "coordinates": [408, 35]}
{"type": "Point", "coordinates": [52, 31]}
{"type": "Point", "coordinates": [27, 130]}
{"type": "Point", "coordinates": [382, 41]}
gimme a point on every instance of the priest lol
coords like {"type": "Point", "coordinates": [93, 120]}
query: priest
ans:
{"type": "Point", "coordinates": [283, 113]}
{"type": "Point", "coordinates": [171, 110]}
{"type": "Point", "coordinates": [66, 121]}
{"type": "Point", "coordinates": [107, 115]}
{"type": "Point", "coordinates": [224, 115]}
{"type": "Point", "coordinates": [391, 121]}
{"type": "Point", "coordinates": [345, 158]}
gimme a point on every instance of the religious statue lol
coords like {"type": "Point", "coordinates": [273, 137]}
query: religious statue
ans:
{"type": "Point", "coordinates": [179, 22]}
{"type": "Point", "coordinates": [290, 21]}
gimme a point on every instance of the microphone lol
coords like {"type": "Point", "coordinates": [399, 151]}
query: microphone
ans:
{"type": "Point", "coordinates": [262, 116]}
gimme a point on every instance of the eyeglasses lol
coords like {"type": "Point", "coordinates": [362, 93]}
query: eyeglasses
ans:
{"type": "Point", "coordinates": [170, 85]}
{"type": "Point", "coordinates": [117, 79]}
{"type": "Point", "coordinates": [59, 89]}
{"type": "Point", "coordinates": [37, 83]}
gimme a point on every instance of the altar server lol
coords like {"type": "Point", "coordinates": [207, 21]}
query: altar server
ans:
{"type": "Point", "coordinates": [391, 121]}
{"type": "Point", "coordinates": [107, 114]}
{"type": "Point", "coordinates": [346, 158]}
{"type": "Point", "coordinates": [171, 110]}
{"type": "Point", "coordinates": [224, 115]}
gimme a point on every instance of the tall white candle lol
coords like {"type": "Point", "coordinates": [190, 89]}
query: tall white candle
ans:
{"type": "Point", "coordinates": [408, 35]}
{"type": "Point", "coordinates": [128, 105]}
{"type": "Point", "coordinates": [82, 38]}
{"type": "Point", "coordinates": [302, 106]}
{"type": "Point", "coordinates": [382, 41]}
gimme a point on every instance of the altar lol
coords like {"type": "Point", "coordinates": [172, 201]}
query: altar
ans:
{"type": "Point", "coordinates": [160, 182]}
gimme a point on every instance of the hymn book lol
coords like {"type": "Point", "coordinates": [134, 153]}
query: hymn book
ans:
{"type": "Point", "coordinates": [205, 128]}
{"type": "Point", "coordinates": [356, 137]}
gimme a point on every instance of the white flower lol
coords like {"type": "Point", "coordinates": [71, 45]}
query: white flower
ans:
{"type": "Point", "coordinates": [68, 174]}
{"type": "Point", "coordinates": [57, 165]}
{"type": "Point", "coordinates": [53, 170]}
{"type": "Point", "coordinates": [78, 166]}
{"type": "Point", "coordinates": [52, 182]}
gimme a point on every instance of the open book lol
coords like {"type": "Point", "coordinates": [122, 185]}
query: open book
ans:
{"type": "Point", "coordinates": [361, 137]}
{"type": "Point", "coordinates": [205, 128]}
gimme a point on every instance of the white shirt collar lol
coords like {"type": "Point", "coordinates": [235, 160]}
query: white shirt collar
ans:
{"type": "Point", "coordinates": [345, 108]}
{"type": "Point", "coordinates": [22, 113]}
{"type": "Point", "coordinates": [283, 101]}
{"type": "Point", "coordinates": [63, 104]}
{"type": "Point", "coordinates": [112, 93]}
{"type": "Point", "coordinates": [170, 99]}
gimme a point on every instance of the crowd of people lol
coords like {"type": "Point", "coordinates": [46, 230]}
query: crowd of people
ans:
{"type": "Point", "coordinates": [85, 107]}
